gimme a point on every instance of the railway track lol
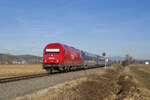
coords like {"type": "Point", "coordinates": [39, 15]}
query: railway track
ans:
{"type": "Point", "coordinates": [10, 90]}
{"type": "Point", "coordinates": [24, 77]}
{"type": "Point", "coordinates": [17, 78]}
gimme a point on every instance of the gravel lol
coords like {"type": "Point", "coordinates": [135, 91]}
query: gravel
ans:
{"type": "Point", "coordinates": [12, 90]}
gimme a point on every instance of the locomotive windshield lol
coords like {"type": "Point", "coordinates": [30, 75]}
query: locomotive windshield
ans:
{"type": "Point", "coordinates": [52, 50]}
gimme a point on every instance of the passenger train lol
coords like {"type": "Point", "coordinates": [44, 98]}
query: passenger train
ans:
{"type": "Point", "coordinates": [57, 56]}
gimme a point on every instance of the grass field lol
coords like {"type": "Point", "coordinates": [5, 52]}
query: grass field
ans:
{"type": "Point", "coordinates": [92, 87]}
{"type": "Point", "coordinates": [115, 83]}
{"type": "Point", "coordinates": [17, 70]}
{"type": "Point", "coordinates": [142, 74]}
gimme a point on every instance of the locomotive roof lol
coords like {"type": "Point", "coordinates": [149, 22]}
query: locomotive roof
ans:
{"type": "Point", "coordinates": [87, 53]}
{"type": "Point", "coordinates": [65, 45]}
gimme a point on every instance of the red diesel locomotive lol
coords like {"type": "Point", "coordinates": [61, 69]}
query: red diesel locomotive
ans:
{"type": "Point", "coordinates": [61, 57]}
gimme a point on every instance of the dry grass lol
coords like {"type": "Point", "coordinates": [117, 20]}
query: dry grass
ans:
{"type": "Point", "coordinates": [15, 70]}
{"type": "Point", "coordinates": [114, 84]}
{"type": "Point", "coordinates": [58, 92]}
{"type": "Point", "coordinates": [142, 74]}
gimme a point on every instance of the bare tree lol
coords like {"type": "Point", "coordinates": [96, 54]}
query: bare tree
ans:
{"type": "Point", "coordinates": [128, 60]}
{"type": "Point", "coordinates": [6, 59]}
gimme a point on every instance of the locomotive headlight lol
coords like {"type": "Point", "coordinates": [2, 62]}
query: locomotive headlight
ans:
{"type": "Point", "coordinates": [57, 61]}
{"type": "Point", "coordinates": [45, 60]}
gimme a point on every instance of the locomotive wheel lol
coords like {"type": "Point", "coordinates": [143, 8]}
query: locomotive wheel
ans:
{"type": "Point", "coordinates": [70, 68]}
{"type": "Point", "coordinates": [60, 70]}
{"type": "Point", "coordinates": [50, 71]}
{"type": "Point", "coordinates": [64, 69]}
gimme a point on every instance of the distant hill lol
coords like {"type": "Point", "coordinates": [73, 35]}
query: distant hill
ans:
{"type": "Point", "coordinates": [19, 59]}
{"type": "Point", "coordinates": [27, 56]}
{"type": "Point", "coordinates": [116, 58]}
{"type": "Point", "coordinates": [146, 60]}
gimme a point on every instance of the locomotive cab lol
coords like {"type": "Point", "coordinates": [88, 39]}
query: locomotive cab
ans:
{"type": "Point", "coordinates": [53, 56]}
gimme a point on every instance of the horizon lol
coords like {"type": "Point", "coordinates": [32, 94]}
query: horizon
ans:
{"type": "Point", "coordinates": [112, 57]}
{"type": "Point", "coordinates": [115, 58]}
{"type": "Point", "coordinates": [115, 27]}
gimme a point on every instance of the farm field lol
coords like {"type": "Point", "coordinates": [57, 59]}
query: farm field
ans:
{"type": "Point", "coordinates": [18, 70]}
{"type": "Point", "coordinates": [142, 74]}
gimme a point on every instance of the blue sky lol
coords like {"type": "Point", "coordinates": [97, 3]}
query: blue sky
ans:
{"type": "Point", "coordinates": [118, 27]}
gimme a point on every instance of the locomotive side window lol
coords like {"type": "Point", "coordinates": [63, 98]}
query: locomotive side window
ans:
{"type": "Point", "coordinates": [53, 51]}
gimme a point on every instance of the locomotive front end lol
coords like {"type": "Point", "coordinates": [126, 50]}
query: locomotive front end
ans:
{"type": "Point", "coordinates": [52, 56]}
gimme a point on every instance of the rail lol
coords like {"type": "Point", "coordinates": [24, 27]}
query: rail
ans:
{"type": "Point", "coordinates": [17, 78]}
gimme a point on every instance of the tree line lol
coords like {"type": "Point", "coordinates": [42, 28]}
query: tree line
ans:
{"type": "Point", "coordinates": [128, 60]}
{"type": "Point", "coordinates": [11, 59]}
{"type": "Point", "coordinates": [6, 59]}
